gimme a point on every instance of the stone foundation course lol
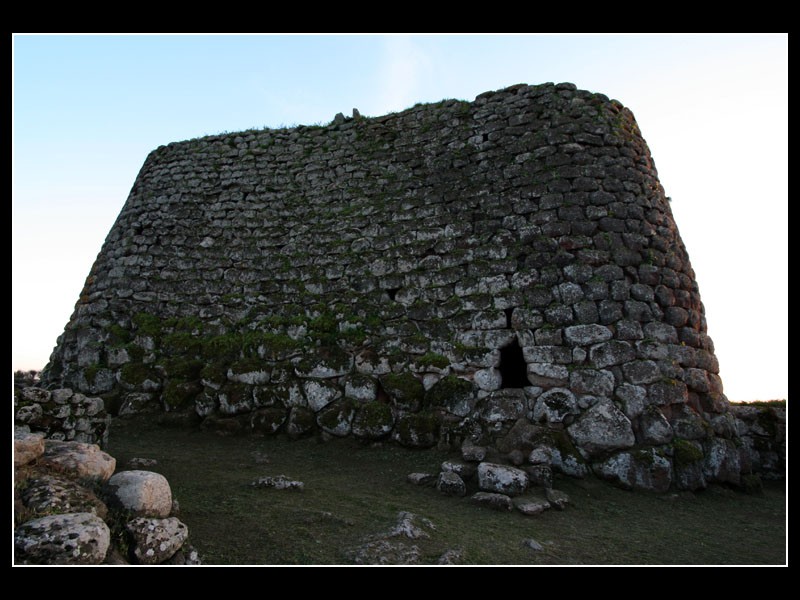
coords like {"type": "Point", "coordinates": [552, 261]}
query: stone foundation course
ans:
{"type": "Point", "coordinates": [504, 272]}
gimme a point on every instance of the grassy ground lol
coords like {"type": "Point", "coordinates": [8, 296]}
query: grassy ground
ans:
{"type": "Point", "coordinates": [353, 491]}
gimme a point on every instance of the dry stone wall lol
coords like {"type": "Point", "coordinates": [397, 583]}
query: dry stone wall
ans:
{"type": "Point", "coordinates": [505, 271]}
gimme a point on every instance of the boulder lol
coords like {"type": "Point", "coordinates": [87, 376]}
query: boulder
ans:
{"type": "Point", "coordinates": [722, 461]}
{"type": "Point", "coordinates": [555, 405]}
{"type": "Point", "coordinates": [337, 418]}
{"type": "Point", "coordinates": [557, 498]}
{"type": "Point", "coordinates": [423, 479]}
{"type": "Point", "coordinates": [144, 493]}
{"type": "Point", "coordinates": [532, 544]}
{"type": "Point", "coordinates": [50, 494]}
{"type": "Point", "coordinates": [641, 469]}
{"type": "Point", "coordinates": [278, 482]}
{"type": "Point", "coordinates": [69, 539]}
{"type": "Point", "coordinates": [472, 453]}
{"type": "Point", "coordinates": [78, 459]}
{"type": "Point", "coordinates": [450, 484]}
{"type": "Point", "coordinates": [27, 447]}
{"type": "Point", "coordinates": [531, 505]}
{"type": "Point", "coordinates": [502, 405]}
{"type": "Point", "coordinates": [601, 428]}
{"type": "Point", "coordinates": [301, 422]}
{"type": "Point", "coordinates": [156, 540]}
{"type": "Point", "coordinates": [411, 526]}
{"type": "Point", "coordinates": [464, 470]}
{"type": "Point", "coordinates": [502, 479]}
{"type": "Point", "coordinates": [416, 430]}
{"type": "Point", "coordinates": [373, 421]}
{"type": "Point", "coordinates": [654, 429]}
{"type": "Point", "coordinates": [493, 501]}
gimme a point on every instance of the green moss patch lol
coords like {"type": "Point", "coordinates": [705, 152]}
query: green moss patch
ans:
{"type": "Point", "coordinates": [685, 452]}
{"type": "Point", "coordinates": [405, 390]}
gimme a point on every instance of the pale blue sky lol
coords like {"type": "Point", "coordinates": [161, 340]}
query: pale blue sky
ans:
{"type": "Point", "coordinates": [713, 109]}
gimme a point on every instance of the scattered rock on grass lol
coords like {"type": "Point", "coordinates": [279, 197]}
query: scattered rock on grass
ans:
{"type": "Point", "coordinates": [450, 484]}
{"type": "Point", "coordinates": [156, 540]}
{"type": "Point", "coordinates": [531, 505]}
{"type": "Point", "coordinates": [532, 544]}
{"type": "Point", "coordinates": [492, 500]}
{"type": "Point", "coordinates": [278, 482]}
{"type": "Point", "coordinates": [557, 498]}
{"type": "Point", "coordinates": [454, 556]}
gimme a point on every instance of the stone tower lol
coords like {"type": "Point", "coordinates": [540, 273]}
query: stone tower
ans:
{"type": "Point", "coordinates": [505, 271]}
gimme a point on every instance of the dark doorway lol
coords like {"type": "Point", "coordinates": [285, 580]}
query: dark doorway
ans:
{"type": "Point", "coordinates": [513, 368]}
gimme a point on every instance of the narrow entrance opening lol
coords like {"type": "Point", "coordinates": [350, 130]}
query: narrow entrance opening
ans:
{"type": "Point", "coordinates": [513, 368]}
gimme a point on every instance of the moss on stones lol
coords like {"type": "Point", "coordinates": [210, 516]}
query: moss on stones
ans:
{"type": "Point", "coordinates": [419, 430]}
{"type": "Point", "coordinates": [431, 359]}
{"type": "Point", "coordinates": [178, 395]}
{"type": "Point", "coordinates": [405, 390]}
{"type": "Point", "coordinates": [685, 452]}
{"type": "Point", "coordinates": [147, 324]}
{"type": "Point", "coordinates": [135, 373]}
{"type": "Point", "coordinates": [373, 420]}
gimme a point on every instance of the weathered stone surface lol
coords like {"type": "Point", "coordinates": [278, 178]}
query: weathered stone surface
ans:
{"type": "Point", "coordinates": [600, 429]}
{"type": "Point", "coordinates": [465, 470]}
{"type": "Point", "coordinates": [642, 469]}
{"type": "Point", "coordinates": [502, 405]}
{"type": "Point", "coordinates": [69, 539]}
{"type": "Point", "coordinates": [416, 431]}
{"type": "Point", "coordinates": [531, 505]}
{"type": "Point", "coordinates": [387, 552]}
{"type": "Point", "coordinates": [337, 418]}
{"type": "Point", "coordinates": [48, 494]}
{"type": "Point", "coordinates": [27, 447]}
{"type": "Point", "coordinates": [502, 479]}
{"type": "Point", "coordinates": [450, 484]}
{"type": "Point", "coordinates": [144, 493]}
{"type": "Point", "coordinates": [590, 381]}
{"type": "Point", "coordinates": [654, 429]}
{"type": "Point", "coordinates": [360, 387]}
{"type": "Point", "coordinates": [532, 544]}
{"type": "Point", "coordinates": [423, 479]}
{"type": "Point", "coordinates": [156, 540]}
{"type": "Point", "coordinates": [373, 420]}
{"type": "Point", "coordinates": [411, 526]}
{"type": "Point", "coordinates": [187, 555]}
{"type": "Point", "coordinates": [557, 498]}
{"type": "Point", "coordinates": [278, 482]}
{"type": "Point", "coordinates": [405, 390]}
{"type": "Point", "coordinates": [493, 500]}
{"type": "Point", "coordinates": [555, 405]}
{"type": "Point", "coordinates": [454, 556]}
{"type": "Point", "coordinates": [300, 422]}
{"type": "Point", "coordinates": [320, 393]}
{"type": "Point", "coordinates": [586, 335]}
{"type": "Point", "coordinates": [268, 420]}
{"type": "Point", "coordinates": [722, 461]}
{"type": "Point", "coordinates": [456, 395]}
{"type": "Point", "coordinates": [471, 452]}
{"type": "Point", "coordinates": [79, 459]}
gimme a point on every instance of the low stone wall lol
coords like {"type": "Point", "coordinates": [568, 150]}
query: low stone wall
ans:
{"type": "Point", "coordinates": [62, 414]}
{"type": "Point", "coordinates": [71, 508]}
{"type": "Point", "coordinates": [762, 429]}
